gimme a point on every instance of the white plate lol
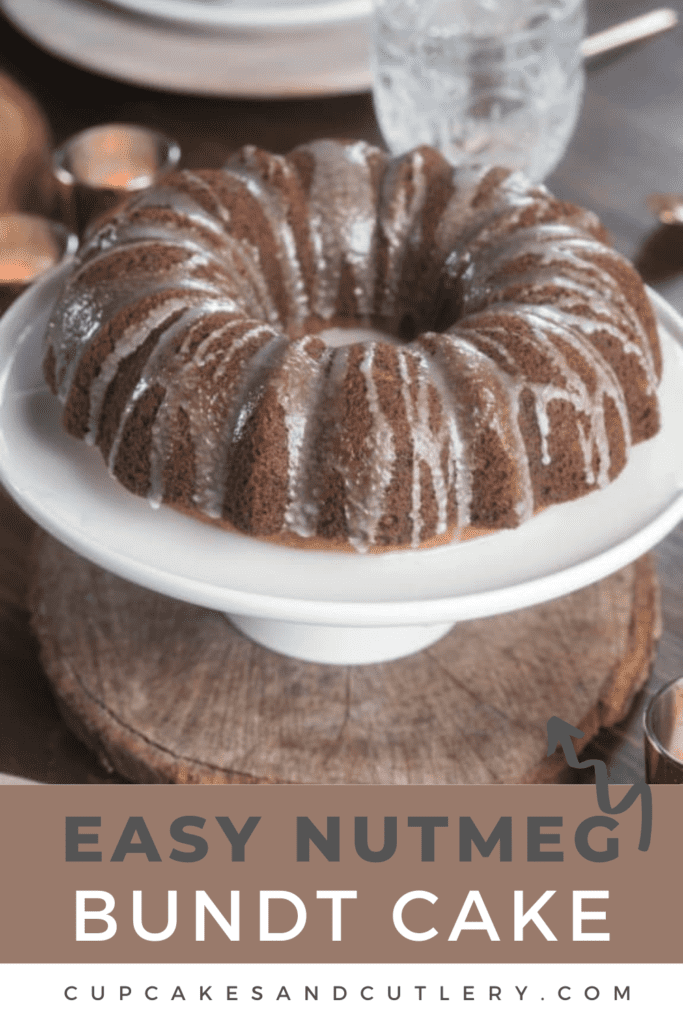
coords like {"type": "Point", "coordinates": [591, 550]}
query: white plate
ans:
{"type": "Point", "coordinates": [316, 61]}
{"type": "Point", "coordinates": [15, 780]}
{"type": "Point", "coordinates": [63, 484]}
{"type": "Point", "coordinates": [255, 15]}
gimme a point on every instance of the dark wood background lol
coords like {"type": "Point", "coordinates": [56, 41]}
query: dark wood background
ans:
{"type": "Point", "coordinates": [629, 143]}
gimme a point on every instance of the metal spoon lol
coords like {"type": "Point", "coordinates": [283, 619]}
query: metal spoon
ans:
{"type": "Point", "coordinates": [632, 31]}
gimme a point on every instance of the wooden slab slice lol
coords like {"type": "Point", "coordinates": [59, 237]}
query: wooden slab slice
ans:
{"type": "Point", "coordinates": [167, 692]}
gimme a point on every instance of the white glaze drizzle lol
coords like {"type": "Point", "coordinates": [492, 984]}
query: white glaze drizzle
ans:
{"type": "Point", "coordinates": [342, 223]}
{"type": "Point", "coordinates": [427, 445]}
{"type": "Point", "coordinates": [274, 206]}
{"type": "Point", "coordinates": [399, 217]}
{"type": "Point", "coordinates": [299, 387]}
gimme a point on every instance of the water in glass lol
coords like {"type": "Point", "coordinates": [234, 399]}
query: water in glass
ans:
{"type": "Point", "coordinates": [485, 81]}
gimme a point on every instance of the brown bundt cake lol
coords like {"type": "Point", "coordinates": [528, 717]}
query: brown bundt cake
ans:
{"type": "Point", "coordinates": [352, 348]}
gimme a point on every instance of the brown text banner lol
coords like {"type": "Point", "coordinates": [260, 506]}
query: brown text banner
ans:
{"type": "Point", "coordinates": [285, 874]}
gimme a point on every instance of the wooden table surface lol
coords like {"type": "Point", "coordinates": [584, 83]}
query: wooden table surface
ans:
{"type": "Point", "coordinates": [629, 143]}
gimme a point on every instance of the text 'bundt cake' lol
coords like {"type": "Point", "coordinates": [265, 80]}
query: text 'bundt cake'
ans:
{"type": "Point", "coordinates": [343, 348]}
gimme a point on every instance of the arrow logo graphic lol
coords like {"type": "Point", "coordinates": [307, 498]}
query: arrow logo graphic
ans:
{"type": "Point", "coordinates": [559, 734]}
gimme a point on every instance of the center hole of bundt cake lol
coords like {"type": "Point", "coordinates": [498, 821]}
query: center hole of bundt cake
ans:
{"type": "Point", "coordinates": [404, 328]}
{"type": "Point", "coordinates": [338, 337]}
{"type": "Point", "coordinates": [434, 312]}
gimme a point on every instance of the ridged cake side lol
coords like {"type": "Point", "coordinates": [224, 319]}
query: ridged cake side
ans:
{"type": "Point", "coordinates": [515, 357]}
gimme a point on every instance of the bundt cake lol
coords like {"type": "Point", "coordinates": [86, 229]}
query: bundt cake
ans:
{"type": "Point", "coordinates": [346, 348]}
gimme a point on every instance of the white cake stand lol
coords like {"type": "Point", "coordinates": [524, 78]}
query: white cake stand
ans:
{"type": "Point", "coordinates": [321, 606]}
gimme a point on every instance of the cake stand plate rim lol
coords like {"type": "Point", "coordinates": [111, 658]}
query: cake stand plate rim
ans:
{"type": "Point", "coordinates": [23, 401]}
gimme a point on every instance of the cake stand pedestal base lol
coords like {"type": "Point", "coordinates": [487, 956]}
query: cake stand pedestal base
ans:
{"type": "Point", "coordinates": [340, 645]}
{"type": "Point", "coordinates": [167, 692]}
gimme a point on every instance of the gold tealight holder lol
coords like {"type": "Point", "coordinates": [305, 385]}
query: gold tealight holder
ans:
{"type": "Point", "coordinates": [29, 246]}
{"type": "Point", "coordinates": [100, 167]}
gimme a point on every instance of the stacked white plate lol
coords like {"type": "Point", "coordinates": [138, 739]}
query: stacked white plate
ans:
{"type": "Point", "coordinates": [262, 14]}
{"type": "Point", "coordinates": [263, 49]}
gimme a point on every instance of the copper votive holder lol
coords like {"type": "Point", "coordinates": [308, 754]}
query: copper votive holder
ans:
{"type": "Point", "coordinates": [29, 245]}
{"type": "Point", "coordinates": [100, 167]}
{"type": "Point", "coordinates": [663, 727]}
